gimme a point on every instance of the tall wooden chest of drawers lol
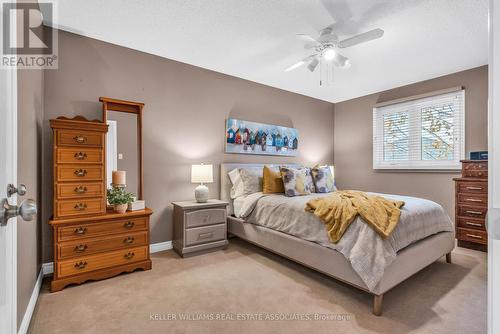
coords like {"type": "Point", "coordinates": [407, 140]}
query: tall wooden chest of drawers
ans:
{"type": "Point", "coordinates": [90, 243]}
{"type": "Point", "coordinates": [471, 204]}
{"type": "Point", "coordinates": [79, 168]}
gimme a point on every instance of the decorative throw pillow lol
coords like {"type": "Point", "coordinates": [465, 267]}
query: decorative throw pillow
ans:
{"type": "Point", "coordinates": [238, 188]}
{"type": "Point", "coordinates": [252, 180]}
{"type": "Point", "coordinates": [323, 179]}
{"type": "Point", "coordinates": [272, 182]}
{"type": "Point", "coordinates": [297, 181]}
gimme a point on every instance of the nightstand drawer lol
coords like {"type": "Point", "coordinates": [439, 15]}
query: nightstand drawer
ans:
{"type": "Point", "coordinates": [205, 217]}
{"type": "Point", "coordinates": [201, 235]}
{"type": "Point", "coordinates": [472, 187]}
{"type": "Point", "coordinates": [473, 199]}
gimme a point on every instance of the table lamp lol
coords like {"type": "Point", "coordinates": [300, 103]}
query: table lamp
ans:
{"type": "Point", "coordinates": [201, 174]}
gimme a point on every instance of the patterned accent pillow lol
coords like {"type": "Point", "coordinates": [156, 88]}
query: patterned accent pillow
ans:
{"type": "Point", "coordinates": [297, 181]}
{"type": "Point", "coordinates": [323, 179]}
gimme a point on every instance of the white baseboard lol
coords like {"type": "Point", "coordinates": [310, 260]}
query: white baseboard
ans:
{"type": "Point", "coordinates": [48, 268]}
{"type": "Point", "coordinates": [160, 246]}
{"type": "Point", "coordinates": [23, 329]}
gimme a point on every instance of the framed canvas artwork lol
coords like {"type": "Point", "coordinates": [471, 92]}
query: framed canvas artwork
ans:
{"type": "Point", "coordinates": [256, 138]}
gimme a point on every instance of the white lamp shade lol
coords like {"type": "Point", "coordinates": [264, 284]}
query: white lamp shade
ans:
{"type": "Point", "coordinates": [202, 174]}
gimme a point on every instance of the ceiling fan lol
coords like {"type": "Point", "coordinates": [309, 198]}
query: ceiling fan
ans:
{"type": "Point", "coordinates": [326, 45]}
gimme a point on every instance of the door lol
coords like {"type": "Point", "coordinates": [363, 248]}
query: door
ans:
{"type": "Point", "coordinates": [8, 227]}
{"type": "Point", "coordinates": [494, 171]}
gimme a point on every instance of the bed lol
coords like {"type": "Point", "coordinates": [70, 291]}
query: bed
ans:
{"type": "Point", "coordinates": [321, 257]}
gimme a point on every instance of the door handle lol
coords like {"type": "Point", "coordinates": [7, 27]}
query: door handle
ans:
{"type": "Point", "coordinates": [20, 190]}
{"type": "Point", "coordinates": [27, 210]}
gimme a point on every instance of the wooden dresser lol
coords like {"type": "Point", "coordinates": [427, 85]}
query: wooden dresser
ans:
{"type": "Point", "coordinates": [471, 205]}
{"type": "Point", "coordinates": [90, 242]}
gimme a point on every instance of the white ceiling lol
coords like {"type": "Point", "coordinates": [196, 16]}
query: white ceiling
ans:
{"type": "Point", "coordinates": [255, 39]}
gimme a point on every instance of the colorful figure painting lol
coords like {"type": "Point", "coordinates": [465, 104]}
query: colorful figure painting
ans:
{"type": "Point", "coordinates": [257, 138]}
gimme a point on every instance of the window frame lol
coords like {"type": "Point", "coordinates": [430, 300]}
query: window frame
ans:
{"type": "Point", "coordinates": [414, 107]}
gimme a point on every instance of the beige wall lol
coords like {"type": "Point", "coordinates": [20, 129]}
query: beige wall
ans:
{"type": "Point", "coordinates": [183, 118]}
{"type": "Point", "coordinates": [30, 117]}
{"type": "Point", "coordinates": [353, 139]}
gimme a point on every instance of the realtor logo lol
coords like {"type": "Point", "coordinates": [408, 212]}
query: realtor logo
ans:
{"type": "Point", "coordinates": [26, 43]}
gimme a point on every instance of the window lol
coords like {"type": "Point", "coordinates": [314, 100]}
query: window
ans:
{"type": "Point", "coordinates": [423, 133]}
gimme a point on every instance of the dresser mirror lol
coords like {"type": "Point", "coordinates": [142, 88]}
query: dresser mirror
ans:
{"type": "Point", "coordinates": [124, 142]}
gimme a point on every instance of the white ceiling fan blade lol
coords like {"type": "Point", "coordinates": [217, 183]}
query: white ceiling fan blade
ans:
{"type": "Point", "coordinates": [307, 38]}
{"type": "Point", "coordinates": [299, 63]}
{"type": "Point", "coordinates": [312, 65]}
{"type": "Point", "coordinates": [361, 38]}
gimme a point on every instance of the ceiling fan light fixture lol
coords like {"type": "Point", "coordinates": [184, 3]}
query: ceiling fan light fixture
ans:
{"type": "Point", "coordinates": [329, 54]}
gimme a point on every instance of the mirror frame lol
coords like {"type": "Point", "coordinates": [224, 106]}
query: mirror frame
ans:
{"type": "Point", "coordinates": [109, 104]}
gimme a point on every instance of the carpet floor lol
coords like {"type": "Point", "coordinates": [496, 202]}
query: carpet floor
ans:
{"type": "Point", "coordinates": [245, 289]}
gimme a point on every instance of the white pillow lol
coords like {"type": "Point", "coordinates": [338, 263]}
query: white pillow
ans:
{"type": "Point", "coordinates": [238, 188]}
{"type": "Point", "coordinates": [252, 180]}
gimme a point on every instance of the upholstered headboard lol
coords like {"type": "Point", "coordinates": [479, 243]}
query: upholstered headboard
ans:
{"type": "Point", "coordinates": [225, 182]}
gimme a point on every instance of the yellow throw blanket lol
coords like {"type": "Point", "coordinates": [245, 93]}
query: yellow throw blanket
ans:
{"type": "Point", "coordinates": [340, 209]}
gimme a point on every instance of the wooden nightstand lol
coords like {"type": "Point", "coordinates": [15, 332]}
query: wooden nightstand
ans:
{"type": "Point", "coordinates": [199, 226]}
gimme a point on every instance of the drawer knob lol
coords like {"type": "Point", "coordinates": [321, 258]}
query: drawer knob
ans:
{"type": "Point", "coordinates": [480, 174]}
{"type": "Point", "coordinates": [474, 236]}
{"type": "Point", "coordinates": [80, 206]}
{"type": "Point", "coordinates": [129, 224]}
{"type": "Point", "coordinates": [205, 235]}
{"type": "Point", "coordinates": [129, 240]}
{"type": "Point", "coordinates": [80, 156]}
{"type": "Point", "coordinates": [81, 248]}
{"type": "Point", "coordinates": [474, 212]}
{"type": "Point", "coordinates": [81, 265]}
{"type": "Point", "coordinates": [80, 190]}
{"type": "Point", "coordinates": [474, 188]}
{"type": "Point", "coordinates": [80, 139]}
{"type": "Point", "coordinates": [80, 172]}
{"type": "Point", "coordinates": [81, 230]}
{"type": "Point", "coordinates": [473, 224]}
{"type": "Point", "coordinates": [474, 200]}
{"type": "Point", "coordinates": [129, 255]}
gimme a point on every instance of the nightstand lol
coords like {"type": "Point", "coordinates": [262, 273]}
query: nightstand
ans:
{"type": "Point", "coordinates": [199, 226]}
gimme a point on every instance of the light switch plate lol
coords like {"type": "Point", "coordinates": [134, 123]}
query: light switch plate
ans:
{"type": "Point", "coordinates": [120, 156]}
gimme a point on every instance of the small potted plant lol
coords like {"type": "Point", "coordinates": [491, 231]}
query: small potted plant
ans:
{"type": "Point", "coordinates": [119, 199]}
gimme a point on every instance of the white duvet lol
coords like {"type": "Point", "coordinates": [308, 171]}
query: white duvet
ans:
{"type": "Point", "coordinates": [367, 252]}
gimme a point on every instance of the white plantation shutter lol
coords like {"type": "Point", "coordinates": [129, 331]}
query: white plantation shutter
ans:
{"type": "Point", "coordinates": [423, 133]}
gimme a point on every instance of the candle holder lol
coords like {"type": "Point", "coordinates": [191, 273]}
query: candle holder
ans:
{"type": "Point", "coordinates": [122, 186]}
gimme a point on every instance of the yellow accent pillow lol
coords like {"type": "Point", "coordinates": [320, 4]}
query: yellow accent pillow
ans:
{"type": "Point", "coordinates": [271, 181]}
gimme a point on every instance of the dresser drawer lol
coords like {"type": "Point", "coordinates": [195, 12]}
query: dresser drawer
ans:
{"type": "Point", "coordinates": [473, 199]}
{"type": "Point", "coordinates": [99, 261]}
{"type": "Point", "coordinates": [79, 155]}
{"type": "Point", "coordinates": [79, 173]}
{"type": "Point", "coordinates": [97, 229]}
{"type": "Point", "coordinates": [79, 190]}
{"type": "Point", "coordinates": [472, 235]}
{"type": "Point", "coordinates": [472, 223]}
{"type": "Point", "coordinates": [91, 246]}
{"type": "Point", "coordinates": [201, 235]}
{"type": "Point", "coordinates": [79, 207]}
{"type": "Point", "coordinates": [471, 211]}
{"type": "Point", "coordinates": [205, 217]}
{"type": "Point", "coordinates": [79, 138]}
{"type": "Point", "coordinates": [475, 169]}
{"type": "Point", "coordinates": [472, 187]}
